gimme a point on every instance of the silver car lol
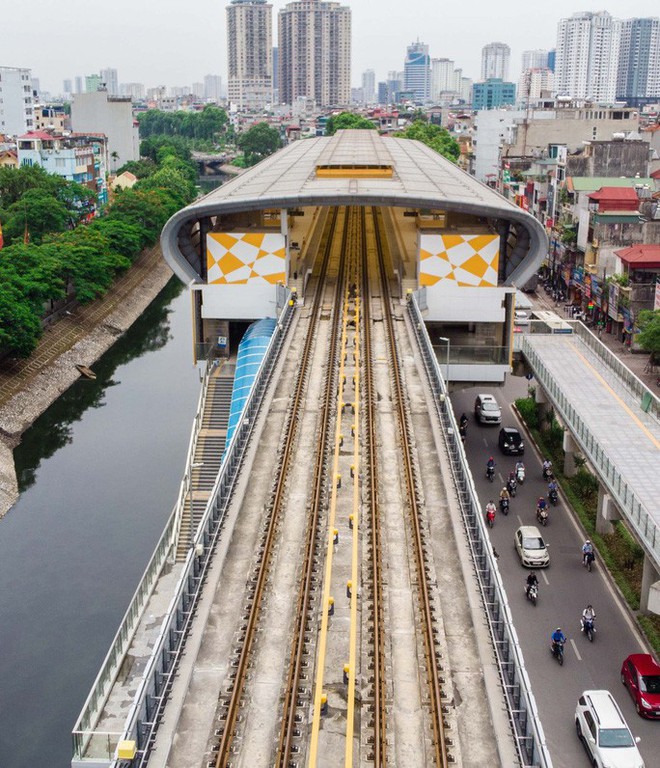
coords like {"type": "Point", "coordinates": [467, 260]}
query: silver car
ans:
{"type": "Point", "coordinates": [486, 410]}
{"type": "Point", "coordinates": [532, 550]}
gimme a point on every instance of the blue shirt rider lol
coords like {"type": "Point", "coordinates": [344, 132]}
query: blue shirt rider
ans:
{"type": "Point", "coordinates": [541, 503]}
{"type": "Point", "coordinates": [552, 486]}
{"type": "Point", "coordinates": [558, 636]}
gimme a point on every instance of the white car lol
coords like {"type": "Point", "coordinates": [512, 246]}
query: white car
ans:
{"type": "Point", "coordinates": [532, 550]}
{"type": "Point", "coordinates": [521, 317]}
{"type": "Point", "coordinates": [486, 410]}
{"type": "Point", "coordinates": [604, 733]}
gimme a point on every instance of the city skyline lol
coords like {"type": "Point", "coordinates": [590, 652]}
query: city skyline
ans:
{"type": "Point", "coordinates": [174, 54]}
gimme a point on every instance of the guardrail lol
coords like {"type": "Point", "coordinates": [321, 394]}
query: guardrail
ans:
{"type": "Point", "coordinates": [635, 512]}
{"type": "Point", "coordinates": [521, 705]}
{"type": "Point", "coordinates": [161, 669]}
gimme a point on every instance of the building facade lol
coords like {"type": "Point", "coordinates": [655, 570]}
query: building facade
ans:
{"type": "Point", "coordinates": [110, 78]}
{"type": "Point", "coordinates": [587, 56]}
{"type": "Point", "coordinates": [493, 94]}
{"type": "Point", "coordinates": [111, 115]}
{"type": "Point", "coordinates": [368, 86]}
{"type": "Point", "coordinates": [537, 59]}
{"type": "Point", "coordinates": [16, 101]}
{"type": "Point", "coordinates": [250, 54]}
{"type": "Point", "coordinates": [534, 84]}
{"type": "Point", "coordinates": [314, 40]}
{"type": "Point", "coordinates": [495, 61]}
{"type": "Point", "coordinates": [417, 71]}
{"type": "Point", "coordinates": [638, 75]}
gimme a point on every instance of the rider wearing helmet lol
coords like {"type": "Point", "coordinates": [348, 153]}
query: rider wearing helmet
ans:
{"type": "Point", "coordinates": [557, 637]}
{"type": "Point", "coordinates": [587, 550]}
{"type": "Point", "coordinates": [541, 503]}
{"type": "Point", "coordinates": [504, 493]}
{"type": "Point", "coordinates": [588, 614]}
{"type": "Point", "coordinates": [531, 581]}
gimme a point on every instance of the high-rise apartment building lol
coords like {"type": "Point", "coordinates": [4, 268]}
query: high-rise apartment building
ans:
{"type": "Point", "coordinates": [111, 80]}
{"type": "Point", "coordinates": [134, 90]}
{"type": "Point", "coordinates": [587, 56]}
{"type": "Point", "coordinates": [79, 84]}
{"type": "Point", "coordinates": [537, 59]}
{"type": "Point", "coordinates": [368, 86]}
{"type": "Point", "coordinates": [213, 88]}
{"type": "Point", "coordinates": [315, 53]}
{"type": "Point", "coordinates": [16, 102]}
{"type": "Point", "coordinates": [250, 54]}
{"type": "Point", "coordinates": [92, 83]}
{"type": "Point", "coordinates": [417, 71]}
{"type": "Point", "coordinates": [495, 61]}
{"type": "Point", "coordinates": [533, 84]}
{"type": "Point", "coordinates": [67, 88]}
{"type": "Point", "coordinates": [638, 76]}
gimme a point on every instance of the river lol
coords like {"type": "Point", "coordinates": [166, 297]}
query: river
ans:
{"type": "Point", "coordinates": [98, 477]}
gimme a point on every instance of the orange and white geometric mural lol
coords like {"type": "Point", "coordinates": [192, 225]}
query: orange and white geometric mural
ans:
{"type": "Point", "coordinates": [238, 258]}
{"type": "Point", "coordinates": [464, 260]}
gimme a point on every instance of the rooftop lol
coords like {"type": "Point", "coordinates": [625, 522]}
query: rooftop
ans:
{"type": "Point", "coordinates": [640, 256]}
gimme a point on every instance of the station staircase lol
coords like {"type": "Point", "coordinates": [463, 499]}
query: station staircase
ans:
{"type": "Point", "coordinates": [209, 447]}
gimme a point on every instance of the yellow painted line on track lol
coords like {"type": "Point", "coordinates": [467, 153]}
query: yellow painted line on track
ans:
{"type": "Point", "coordinates": [323, 641]}
{"type": "Point", "coordinates": [352, 655]}
{"type": "Point", "coordinates": [632, 415]}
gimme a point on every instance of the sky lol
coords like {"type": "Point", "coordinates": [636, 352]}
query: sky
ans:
{"type": "Point", "coordinates": [175, 43]}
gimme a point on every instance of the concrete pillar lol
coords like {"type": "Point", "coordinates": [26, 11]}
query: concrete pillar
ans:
{"type": "Point", "coordinates": [649, 599]}
{"type": "Point", "coordinates": [570, 447]}
{"type": "Point", "coordinates": [606, 512]}
{"type": "Point", "coordinates": [544, 407]}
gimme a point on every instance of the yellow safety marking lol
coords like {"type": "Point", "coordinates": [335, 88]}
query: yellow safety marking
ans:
{"type": "Point", "coordinates": [352, 656]}
{"type": "Point", "coordinates": [320, 661]}
{"type": "Point", "coordinates": [621, 402]}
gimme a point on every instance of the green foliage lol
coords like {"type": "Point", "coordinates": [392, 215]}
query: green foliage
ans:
{"type": "Point", "coordinates": [648, 337]}
{"type": "Point", "coordinates": [258, 142]}
{"type": "Point", "coordinates": [347, 120]}
{"type": "Point", "coordinates": [528, 411]}
{"type": "Point", "coordinates": [139, 168]}
{"type": "Point", "coordinates": [37, 211]}
{"type": "Point", "coordinates": [206, 124]}
{"type": "Point", "coordinates": [157, 148]}
{"type": "Point", "coordinates": [434, 136]}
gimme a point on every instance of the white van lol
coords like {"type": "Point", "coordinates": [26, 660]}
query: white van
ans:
{"type": "Point", "coordinates": [604, 733]}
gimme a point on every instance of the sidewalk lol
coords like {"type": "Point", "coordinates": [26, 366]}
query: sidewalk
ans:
{"type": "Point", "coordinates": [637, 362]}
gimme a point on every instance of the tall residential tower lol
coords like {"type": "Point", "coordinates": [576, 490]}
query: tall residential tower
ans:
{"type": "Point", "coordinates": [639, 60]}
{"type": "Point", "coordinates": [250, 54]}
{"type": "Point", "coordinates": [495, 61]}
{"type": "Point", "coordinates": [314, 40]}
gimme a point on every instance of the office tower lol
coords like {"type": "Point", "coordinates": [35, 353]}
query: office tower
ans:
{"type": "Point", "coordinates": [315, 53]}
{"type": "Point", "coordinates": [92, 83]}
{"type": "Point", "coordinates": [66, 88]}
{"type": "Point", "coordinates": [213, 88]}
{"type": "Point", "coordinates": [111, 80]}
{"type": "Point", "coordinates": [16, 103]}
{"type": "Point", "coordinates": [79, 84]}
{"type": "Point", "coordinates": [552, 55]}
{"type": "Point", "coordinates": [492, 94]}
{"type": "Point", "coordinates": [368, 86]}
{"type": "Point", "coordinates": [250, 54]}
{"type": "Point", "coordinates": [537, 59]}
{"type": "Point", "coordinates": [587, 56]}
{"type": "Point", "coordinates": [417, 71]}
{"type": "Point", "coordinates": [638, 75]}
{"type": "Point", "coordinates": [495, 61]}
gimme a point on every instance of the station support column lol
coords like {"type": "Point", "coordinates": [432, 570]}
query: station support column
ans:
{"type": "Point", "coordinates": [606, 513]}
{"type": "Point", "coordinates": [570, 447]}
{"type": "Point", "coordinates": [541, 400]}
{"type": "Point", "coordinates": [649, 599]}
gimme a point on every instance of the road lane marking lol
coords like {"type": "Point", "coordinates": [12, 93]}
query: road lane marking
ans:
{"type": "Point", "coordinates": [520, 522]}
{"type": "Point", "coordinates": [485, 442]}
{"type": "Point", "coordinates": [499, 474]}
{"type": "Point", "coordinates": [545, 578]}
{"type": "Point", "coordinates": [577, 653]}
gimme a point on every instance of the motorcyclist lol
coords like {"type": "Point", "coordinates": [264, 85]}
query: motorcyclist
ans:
{"type": "Point", "coordinates": [490, 467]}
{"type": "Point", "coordinates": [531, 581]}
{"type": "Point", "coordinates": [504, 493]}
{"type": "Point", "coordinates": [547, 468]}
{"type": "Point", "coordinates": [558, 639]}
{"type": "Point", "coordinates": [588, 614]}
{"type": "Point", "coordinates": [463, 421]}
{"type": "Point", "coordinates": [541, 504]}
{"type": "Point", "coordinates": [552, 486]}
{"type": "Point", "coordinates": [520, 467]}
{"type": "Point", "coordinates": [490, 509]}
{"type": "Point", "coordinates": [587, 550]}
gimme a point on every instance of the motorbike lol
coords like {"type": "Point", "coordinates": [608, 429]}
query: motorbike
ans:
{"type": "Point", "coordinates": [542, 515]}
{"type": "Point", "coordinates": [589, 629]}
{"type": "Point", "coordinates": [553, 496]}
{"type": "Point", "coordinates": [588, 560]}
{"type": "Point", "coordinates": [490, 517]}
{"type": "Point", "coordinates": [557, 650]}
{"type": "Point", "coordinates": [520, 475]}
{"type": "Point", "coordinates": [511, 486]}
{"type": "Point", "coordinates": [547, 474]}
{"type": "Point", "coordinates": [532, 592]}
{"type": "Point", "coordinates": [462, 431]}
{"type": "Point", "coordinates": [504, 506]}
{"type": "Point", "coordinates": [490, 473]}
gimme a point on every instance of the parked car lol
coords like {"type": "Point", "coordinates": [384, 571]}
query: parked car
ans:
{"type": "Point", "coordinates": [486, 410]}
{"type": "Point", "coordinates": [520, 317]}
{"type": "Point", "coordinates": [511, 442]}
{"type": "Point", "coordinates": [640, 673]}
{"type": "Point", "coordinates": [604, 733]}
{"type": "Point", "coordinates": [532, 550]}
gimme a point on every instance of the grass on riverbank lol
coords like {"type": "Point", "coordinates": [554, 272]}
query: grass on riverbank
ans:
{"type": "Point", "coordinates": [618, 550]}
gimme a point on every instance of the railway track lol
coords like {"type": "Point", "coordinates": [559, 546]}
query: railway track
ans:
{"type": "Point", "coordinates": [344, 664]}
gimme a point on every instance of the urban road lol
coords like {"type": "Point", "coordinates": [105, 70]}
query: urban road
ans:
{"type": "Point", "coordinates": [565, 588]}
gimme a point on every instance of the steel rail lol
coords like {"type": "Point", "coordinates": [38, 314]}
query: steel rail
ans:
{"type": "Point", "coordinates": [371, 484]}
{"type": "Point", "coordinates": [435, 691]}
{"type": "Point", "coordinates": [226, 740]}
{"type": "Point", "coordinates": [288, 724]}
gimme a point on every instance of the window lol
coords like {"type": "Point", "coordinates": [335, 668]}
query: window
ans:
{"type": "Point", "coordinates": [590, 723]}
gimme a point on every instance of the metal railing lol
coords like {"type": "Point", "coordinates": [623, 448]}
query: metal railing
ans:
{"type": "Point", "coordinates": [161, 669]}
{"type": "Point", "coordinates": [521, 705]}
{"type": "Point", "coordinates": [635, 512]}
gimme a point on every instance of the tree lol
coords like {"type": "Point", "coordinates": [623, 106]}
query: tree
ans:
{"type": "Point", "coordinates": [347, 120]}
{"type": "Point", "coordinates": [439, 139]}
{"type": "Point", "coordinates": [38, 212]}
{"type": "Point", "coordinates": [258, 142]}
{"type": "Point", "coordinates": [648, 337]}
{"type": "Point", "coordinates": [114, 156]}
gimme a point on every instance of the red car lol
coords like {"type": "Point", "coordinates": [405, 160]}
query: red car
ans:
{"type": "Point", "coordinates": [640, 673]}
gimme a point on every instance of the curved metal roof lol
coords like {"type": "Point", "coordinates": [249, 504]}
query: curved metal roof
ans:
{"type": "Point", "coordinates": [421, 178]}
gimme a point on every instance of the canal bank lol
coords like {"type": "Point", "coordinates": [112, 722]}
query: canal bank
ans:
{"type": "Point", "coordinates": [29, 387]}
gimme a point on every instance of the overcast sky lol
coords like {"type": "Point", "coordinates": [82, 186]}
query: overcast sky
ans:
{"type": "Point", "coordinates": [175, 43]}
